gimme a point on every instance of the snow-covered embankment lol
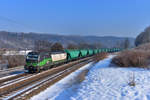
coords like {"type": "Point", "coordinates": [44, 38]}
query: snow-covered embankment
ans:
{"type": "Point", "coordinates": [55, 90]}
{"type": "Point", "coordinates": [103, 82]}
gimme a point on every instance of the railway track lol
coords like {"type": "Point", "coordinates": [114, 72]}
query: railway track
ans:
{"type": "Point", "coordinates": [11, 78]}
{"type": "Point", "coordinates": [11, 72]}
{"type": "Point", "coordinates": [19, 87]}
{"type": "Point", "coordinates": [12, 69]}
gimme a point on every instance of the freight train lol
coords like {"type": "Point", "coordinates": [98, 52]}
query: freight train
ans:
{"type": "Point", "coordinates": [37, 61]}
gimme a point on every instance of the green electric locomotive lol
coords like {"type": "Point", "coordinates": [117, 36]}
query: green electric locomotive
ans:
{"type": "Point", "coordinates": [37, 61]}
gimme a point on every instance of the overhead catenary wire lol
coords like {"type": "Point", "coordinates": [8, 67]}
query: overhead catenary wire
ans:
{"type": "Point", "coordinates": [17, 23]}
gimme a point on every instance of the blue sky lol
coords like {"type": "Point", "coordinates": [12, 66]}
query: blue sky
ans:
{"type": "Point", "coordinates": [76, 17]}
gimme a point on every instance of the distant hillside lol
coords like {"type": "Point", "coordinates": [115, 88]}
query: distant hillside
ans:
{"type": "Point", "coordinates": [26, 40]}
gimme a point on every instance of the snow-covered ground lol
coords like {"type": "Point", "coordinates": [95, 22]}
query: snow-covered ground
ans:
{"type": "Point", "coordinates": [103, 82]}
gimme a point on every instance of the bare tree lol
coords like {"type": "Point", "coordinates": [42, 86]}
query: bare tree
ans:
{"type": "Point", "coordinates": [42, 45]}
{"type": "Point", "coordinates": [118, 44]}
{"type": "Point", "coordinates": [126, 43]}
{"type": "Point", "coordinates": [89, 46]}
{"type": "Point", "coordinates": [57, 47]}
{"type": "Point", "coordinates": [97, 45]}
{"type": "Point", "coordinates": [72, 46]}
{"type": "Point", "coordinates": [84, 46]}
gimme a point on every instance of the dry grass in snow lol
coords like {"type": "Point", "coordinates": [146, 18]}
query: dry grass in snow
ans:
{"type": "Point", "coordinates": [132, 58]}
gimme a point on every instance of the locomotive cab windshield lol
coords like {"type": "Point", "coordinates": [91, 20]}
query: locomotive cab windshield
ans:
{"type": "Point", "coordinates": [32, 57]}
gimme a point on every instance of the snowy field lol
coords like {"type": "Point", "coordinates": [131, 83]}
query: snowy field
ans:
{"type": "Point", "coordinates": [103, 82]}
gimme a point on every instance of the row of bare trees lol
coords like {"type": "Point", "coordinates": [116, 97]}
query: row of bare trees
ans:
{"type": "Point", "coordinates": [124, 44]}
{"type": "Point", "coordinates": [43, 45]}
